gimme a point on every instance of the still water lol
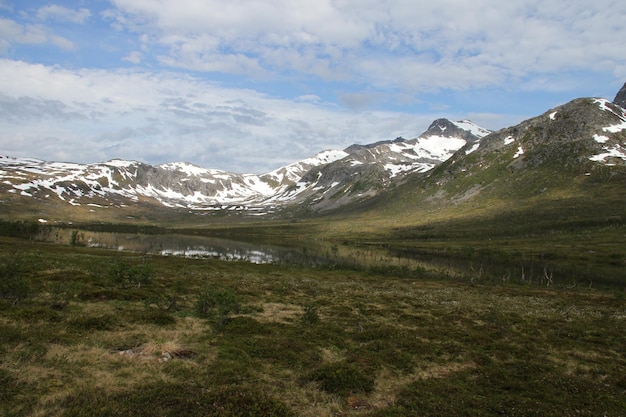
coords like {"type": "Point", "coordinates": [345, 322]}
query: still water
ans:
{"type": "Point", "coordinates": [187, 246]}
{"type": "Point", "coordinates": [301, 253]}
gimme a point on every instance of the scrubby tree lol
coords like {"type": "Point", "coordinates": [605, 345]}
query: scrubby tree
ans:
{"type": "Point", "coordinates": [216, 303]}
{"type": "Point", "coordinates": [126, 275]}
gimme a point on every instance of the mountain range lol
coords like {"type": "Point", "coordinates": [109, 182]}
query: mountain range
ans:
{"type": "Point", "coordinates": [580, 142]}
{"type": "Point", "coordinates": [358, 171]}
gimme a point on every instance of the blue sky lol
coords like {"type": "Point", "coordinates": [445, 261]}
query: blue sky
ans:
{"type": "Point", "coordinates": [251, 85]}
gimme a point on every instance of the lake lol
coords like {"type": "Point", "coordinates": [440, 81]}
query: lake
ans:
{"type": "Point", "coordinates": [187, 246]}
{"type": "Point", "coordinates": [299, 253]}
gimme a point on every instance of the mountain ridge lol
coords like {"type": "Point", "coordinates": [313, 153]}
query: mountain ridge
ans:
{"type": "Point", "coordinates": [570, 158]}
{"type": "Point", "coordinates": [620, 97]}
{"type": "Point", "coordinates": [183, 185]}
{"type": "Point", "coordinates": [451, 163]}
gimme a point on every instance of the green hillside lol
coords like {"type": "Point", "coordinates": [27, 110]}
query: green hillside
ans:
{"type": "Point", "coordinates": [550, 208]}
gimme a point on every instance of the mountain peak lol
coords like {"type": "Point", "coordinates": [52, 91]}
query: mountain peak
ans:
{"type": "Point", "coordinates": [461, 129]}
{"type": "Point", "coordinates": [620, 98]}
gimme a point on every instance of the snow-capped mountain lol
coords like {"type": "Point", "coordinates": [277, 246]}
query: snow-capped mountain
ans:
{"type": "Point", "coordinates": [595, 126]}
{"type": "Point", "coordinates": [183, 185]}
{"type": "Point", "coordinates": [177, 184]}
{"type": "Point", "coordinates": [569, 153]}
{"type": "Point", "coordinates": [369, 169]}
{"type": "Point", "coordinates": [580, 135]}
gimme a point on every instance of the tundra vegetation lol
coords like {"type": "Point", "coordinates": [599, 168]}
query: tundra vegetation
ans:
{"type": "Point", "coordinates": [520, 329]}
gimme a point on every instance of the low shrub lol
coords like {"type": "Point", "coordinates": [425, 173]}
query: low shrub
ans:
{"type": "Point", "coordinates": [342, 378]}
{"type": "Point", "coordinates": [310, 315]}
{"type": "Point", "coordinates": [217, 304]}
{"type": "Point", "coordinates": [126, 275]}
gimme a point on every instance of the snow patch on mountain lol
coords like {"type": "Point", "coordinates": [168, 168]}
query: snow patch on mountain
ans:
{"type": "Point", "coordinates": [600, 138]}
{"type": "Point", "coordinates": [185, 185]}
{"type": "Point", "coordinates": [290, 174]}
{"type": "Point", "coordinates": [606, 105]}
{"type": "Point", "coordinates": [120, 163]}
{"type": "Point", "coordinates": [188, 169]}
{"type": "Point", "coordinates": [615, 128]}
{"type": "Point", "coordinates": [473, 128]}
{"type": "Point", "coordinates": [616, 151]}
{"type": "Point", "coordinates": [474, 148]}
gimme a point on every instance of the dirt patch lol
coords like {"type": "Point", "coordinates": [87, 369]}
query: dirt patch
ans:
{"type": "Point", "coordinates": [159, 352]}
{"type": "Point", "coordinates": [279, 313]}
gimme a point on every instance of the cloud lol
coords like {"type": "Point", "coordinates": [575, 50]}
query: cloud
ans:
{"type": "Point", "coordinates": [290, 78]}
{"type": "Point", "coordinates": [360, 100]}
{"type": "Point", "coordinates": [27, 109]}
{"type": "Point", "coordinates": [164, 117]}
{"type": "Point", "coordinates": [63, 14]}
{"type": "Point", "coordinates": [310, 98]}
{"type": "Point", "coordinates": [402, 44]}
{"type": "Point", "coordinates": [12, 32]}
{"type": "Point", "coordinates": [133, 57]}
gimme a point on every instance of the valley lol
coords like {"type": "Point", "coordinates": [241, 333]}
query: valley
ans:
{"type": "Point", "coordinates": [86, 329]}
{"type": "Point", "coordinates": [478, 273]}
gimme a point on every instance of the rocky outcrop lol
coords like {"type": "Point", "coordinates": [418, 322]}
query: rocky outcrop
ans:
{"type": "Point", "coordinates": [447, 128]}
{"type": "Point", "coordinates": [356, 147]}
{"type": "Point", "coordinates": [620, 98]}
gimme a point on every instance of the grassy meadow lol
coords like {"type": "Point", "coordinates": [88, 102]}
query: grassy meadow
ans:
{"type": "Point", "coordinates": [88, 332]}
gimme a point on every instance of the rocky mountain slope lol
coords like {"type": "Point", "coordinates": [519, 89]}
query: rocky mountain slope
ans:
{"type": "Point", "coordinates": [358, 172]}
{"type": "Point", "coordinates": [620, 97]}
{"type": "Point", "coordinates": [566, 165]}
{"type": "Point", "coordinates": [367, 170]}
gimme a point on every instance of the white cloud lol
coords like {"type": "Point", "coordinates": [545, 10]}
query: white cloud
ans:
{"type": "Point", "coordinates": [311, 98]}
{"type": "Point", "coordinates": [63, 14]}
{"type": "Point", "coordinates": [372, 53]}
{"type": "Point", "coordinates": [420, 45]}
{"type": "Point", "coordinates": [62, 42]}
{"type": "Point", "coordinates": [12, 32]}
{"type": "Point", "coordinates": [167, 117]}
{"type": "Point", "coordinates": [134, 57]}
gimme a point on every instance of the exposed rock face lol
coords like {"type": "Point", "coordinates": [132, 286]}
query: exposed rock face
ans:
{"type": "Point", "coordinates": [356, 147]}
{"type": "Point", "coordinates": [447, 128]}
{"type": "Point", "coordinates": [568, 136]}
{"type": "Point", "coordinates": [328, 180]}
{"type": "Point", "coordinates": [620, 98]}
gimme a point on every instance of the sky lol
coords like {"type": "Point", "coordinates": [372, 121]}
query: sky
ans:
{"type": "Point", "coordinates": [248, 86]}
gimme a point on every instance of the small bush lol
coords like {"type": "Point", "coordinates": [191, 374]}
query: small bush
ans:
{"type": "Point", "coordinates": [310, 316]}
{"type": "Point", "coordinates": [126, 275]}
{"type": "Point", "coordinates": [216, 303]}
{"type": "Point", "coordinates": [342, 378]}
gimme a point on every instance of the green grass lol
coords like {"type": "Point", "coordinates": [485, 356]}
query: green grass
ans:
{"type": "Point", "coordinates": [281, 340]}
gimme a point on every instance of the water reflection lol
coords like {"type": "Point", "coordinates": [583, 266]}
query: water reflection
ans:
{"type": "Point", "coordinates": [383, 259]}
{"type": "Point", "coordinates": [185, 246]}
